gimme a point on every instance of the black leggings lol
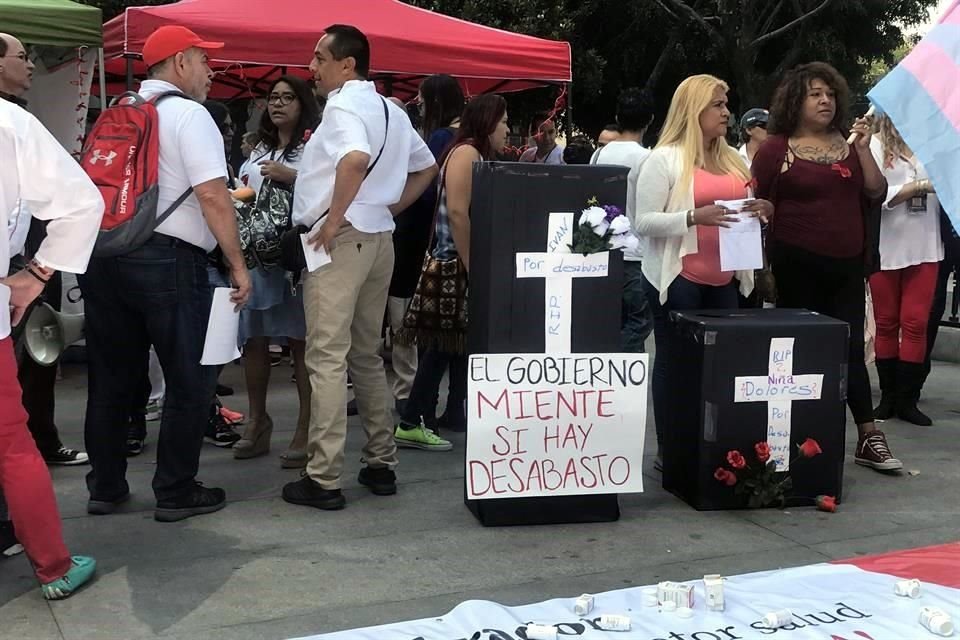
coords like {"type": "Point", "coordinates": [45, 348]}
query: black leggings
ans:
{"type": "Point", "coordinates": [834, 287]}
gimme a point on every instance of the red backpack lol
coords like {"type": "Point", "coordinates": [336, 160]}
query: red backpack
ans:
{"type": "Point", "coordinates": [122, 157]}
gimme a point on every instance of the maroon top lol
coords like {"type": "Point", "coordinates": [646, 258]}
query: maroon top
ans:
{"type": "Point", "coordinates": [818, 207]}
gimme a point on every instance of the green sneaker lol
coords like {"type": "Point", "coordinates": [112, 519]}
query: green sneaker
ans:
{"type": "Point", "coordinates": [420, 438]}
{"type": "Point", "coordinates": [80, 572]}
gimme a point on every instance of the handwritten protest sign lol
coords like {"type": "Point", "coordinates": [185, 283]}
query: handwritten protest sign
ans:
{"type": "Point", "coordinates": [779, 388]}
{"type": "Point", "coordinates": [555, 425]}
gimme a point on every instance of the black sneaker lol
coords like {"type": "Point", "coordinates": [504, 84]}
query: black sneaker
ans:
{"type": "Point", "coordinates": [199, 501]}
{"type": "Point", "coordinates": [136, 435]}
{"type": "Point", "coordinates": [66, 457]}
{"type": "Point", "coordinates": [9, 545]}
{"type": "Point", "coordinates": [220, 433]}
{"type": "Point", "coordinates": [224, 390]}
{"type": "Point", "coordinates": [96, 507]}
{"type": "Point", "coordinates": [307, 492]}
{"type": "Point", "coordinates": [381, 481]}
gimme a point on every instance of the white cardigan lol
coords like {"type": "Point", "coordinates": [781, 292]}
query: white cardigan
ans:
{"type": "Point", "coordinates": [662, 222]}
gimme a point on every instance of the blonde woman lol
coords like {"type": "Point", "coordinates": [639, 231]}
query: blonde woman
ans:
{"type": "Point", "coordinates": [903, 289]}
{"type": "Point", "coordinates": [691, 167]}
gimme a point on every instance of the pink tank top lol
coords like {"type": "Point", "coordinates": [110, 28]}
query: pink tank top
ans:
{"type": "Point", "coordinates": [703, 267]}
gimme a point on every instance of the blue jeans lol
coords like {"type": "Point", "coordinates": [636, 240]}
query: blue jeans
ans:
{"type": "Point", "coordinates": [636, 319]}
{"type": "Point", "coordinates": [683, 295]}
{"type": "Point", "coordinates": [159, 294]}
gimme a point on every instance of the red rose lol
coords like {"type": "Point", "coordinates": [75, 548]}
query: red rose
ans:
{"type": "Point", "coordinates": [763, 451]}
{"type": "Point", "coordinates": [726, 477]}
{"type": "Point", "coordinates": [736, 460]}
{"type": "Point", "coordinates": [810, 448]}
{"type": "Point", "coordinates": [827, 503]}
{"type": "Point", "coordinates": [306, 134]}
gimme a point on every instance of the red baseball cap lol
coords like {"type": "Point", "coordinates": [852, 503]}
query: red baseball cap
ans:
{"type": "Point", "coordinates": [170, 40]}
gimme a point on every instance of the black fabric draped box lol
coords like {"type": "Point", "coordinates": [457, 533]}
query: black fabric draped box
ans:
{"type": "Point", "coordinates": [509, 214]}
{"type": "Point", "coordinates": [704, 422]}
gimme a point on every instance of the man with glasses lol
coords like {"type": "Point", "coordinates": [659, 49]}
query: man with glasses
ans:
{"type": "Point", "coordinates": [753, 132]}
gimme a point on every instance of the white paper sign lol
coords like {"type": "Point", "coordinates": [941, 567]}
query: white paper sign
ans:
{"type": "Point", "coordinates": [779, 388]}
{"type": "Point", "coordinates": [563, 265]}
{"type": "Point", "coordinates": [741, 245]}
{"type": "Point", "coordinates": [555, 425]}
{"type": "Point", "coordinates": [220, 346]}
{"type": "Point", "coordinates": [558, 292]}
{"type": "Point", "coordinates": [315, 258]}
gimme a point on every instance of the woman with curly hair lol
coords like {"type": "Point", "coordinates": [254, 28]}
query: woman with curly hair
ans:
{"type": "Point", "coordinates": [903, 289]}
{"type": "Point", "coordinates": [824, 191]}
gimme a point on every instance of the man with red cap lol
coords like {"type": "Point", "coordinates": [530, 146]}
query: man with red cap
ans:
{"type": "Point", "coordinates": [160, 294]}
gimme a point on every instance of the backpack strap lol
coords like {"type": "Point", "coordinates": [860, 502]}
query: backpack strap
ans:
{"type": "Point", "coordinates": [186, 194]}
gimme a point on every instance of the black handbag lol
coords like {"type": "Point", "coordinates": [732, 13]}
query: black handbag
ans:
{"type": "Point", "coordinates": [291, 254]}
{"type": "Point", "coordinates": [262, 224]}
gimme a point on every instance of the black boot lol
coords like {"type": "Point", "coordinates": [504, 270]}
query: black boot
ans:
{"type": "Point", "coordinates": [909, 381]}
{"type": "Point", "coordinates": [887, 372]}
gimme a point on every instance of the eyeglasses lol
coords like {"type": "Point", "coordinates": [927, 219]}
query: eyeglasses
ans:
{"type": "Point", "coordinates": [282, 99]}
{"type": "Point", "coordinates": [21, 56]}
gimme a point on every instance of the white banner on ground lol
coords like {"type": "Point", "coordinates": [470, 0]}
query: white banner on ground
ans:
{"type": "Point", "coordinates": [555, 425]}
{"type": "Point", "coordinates": [828, 602]}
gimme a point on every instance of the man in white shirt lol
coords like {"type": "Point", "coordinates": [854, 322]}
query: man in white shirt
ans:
{"type": "Point", "coordinates": [160, 294]}
{"type": "Point", "coordinates": [610, 133]}
{"type": "Point", "coordinates": [346, 299]}
{"type": "Point", "coordinates": [753, 132]}
{"type": "Point", "coordinates": [634, 115]}
{"type": "Point", "coordinates": [546, 150]}
{"type": "Point", "coordinates": [38, 171]}
{"type": "Point", "coordinates": [36, 380]}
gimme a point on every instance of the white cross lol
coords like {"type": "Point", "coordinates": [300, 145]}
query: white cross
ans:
{"type": "Point", "coordinates": [558, 266]}
{"type": "Point", "coordinates": [779, 388]}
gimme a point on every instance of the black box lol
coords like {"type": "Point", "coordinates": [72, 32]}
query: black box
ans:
{"type": "Point", "coordinates": [509, 214]}
{"type": "Point", "coordinates": [704, 422]}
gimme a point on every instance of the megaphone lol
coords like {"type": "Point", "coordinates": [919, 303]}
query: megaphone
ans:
{"type": "Point", "coordinates": [48, 333]}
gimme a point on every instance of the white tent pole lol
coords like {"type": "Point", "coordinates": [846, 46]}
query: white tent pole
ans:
{"type": "Point", "coordinates": [103, 80]}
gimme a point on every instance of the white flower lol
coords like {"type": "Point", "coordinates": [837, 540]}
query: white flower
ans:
{"type": "Point", "coordinates": [619, 225]}
{"type": "Point", "coordinates": [596, 218]}
{"type": "Point", "coordinates": [626, 241]}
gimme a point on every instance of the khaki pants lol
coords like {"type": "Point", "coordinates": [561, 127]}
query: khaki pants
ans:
{"type": "Point", "coordinates": [404, 357]}
{"type": "Point", "coordinates": [344, 303]}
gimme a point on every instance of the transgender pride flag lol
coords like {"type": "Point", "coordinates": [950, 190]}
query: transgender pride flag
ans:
{"type": "Point", "coordinates": [922, 97]}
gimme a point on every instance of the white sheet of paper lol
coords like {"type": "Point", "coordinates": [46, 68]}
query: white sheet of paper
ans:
{"type": "Point", "coordinates": [734, 205]}
{"type": "Point", "coordinates": [316, 258]}
{"type": "Point", "coordinates": [220, 347]}
{"type": "Point", "coordinates": [741, 246]}
{"type": "Point", "coordinates": [5, 310]}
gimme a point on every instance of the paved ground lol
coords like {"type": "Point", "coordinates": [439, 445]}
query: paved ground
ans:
{"type": "Point", "coordinates": [267, 570]}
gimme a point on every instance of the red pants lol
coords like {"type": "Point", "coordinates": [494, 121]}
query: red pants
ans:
{"type": "Point", "coordinates": [25, 480]}
{"type": "Point", "coordinates": [901, 302]}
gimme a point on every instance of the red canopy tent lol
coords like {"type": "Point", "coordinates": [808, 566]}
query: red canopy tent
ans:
{"type": "Point", "coordinates": [265, 38]}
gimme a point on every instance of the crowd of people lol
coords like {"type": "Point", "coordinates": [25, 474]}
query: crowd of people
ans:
{"type": "Point", "coordinates": [390, 205]}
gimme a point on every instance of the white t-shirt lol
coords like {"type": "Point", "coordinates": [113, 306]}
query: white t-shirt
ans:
{"type": "Point", "coordinates": [191, 153]}
{"type": "Point", "coordinates": [907, 238]}
{"type": "Point", "coordinates": [250, 170]}
{"type": "Point", "coordinates": [743, 154]}
{"type": "Point", "coordinates": [353, 120]}
{"type": "Point", "coordinates": [554, 157]}
{"type": "Point", "coordinates": [626, 153]}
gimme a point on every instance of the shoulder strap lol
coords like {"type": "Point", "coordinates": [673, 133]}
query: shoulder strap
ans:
{"type": "Point", "coordinates": [386, 130]}
{"type": "Point", "coordinates": [441, 181]}
{"type": "Point", "coordinates": [186, 194]}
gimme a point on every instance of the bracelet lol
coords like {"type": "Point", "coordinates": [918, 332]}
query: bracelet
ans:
{"type": "Point", "coordinates": [34, 274]}
{"type": "Point", "coordinates": [691, 219]}
{"type": "Point", "coordinates": [42, 270]}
